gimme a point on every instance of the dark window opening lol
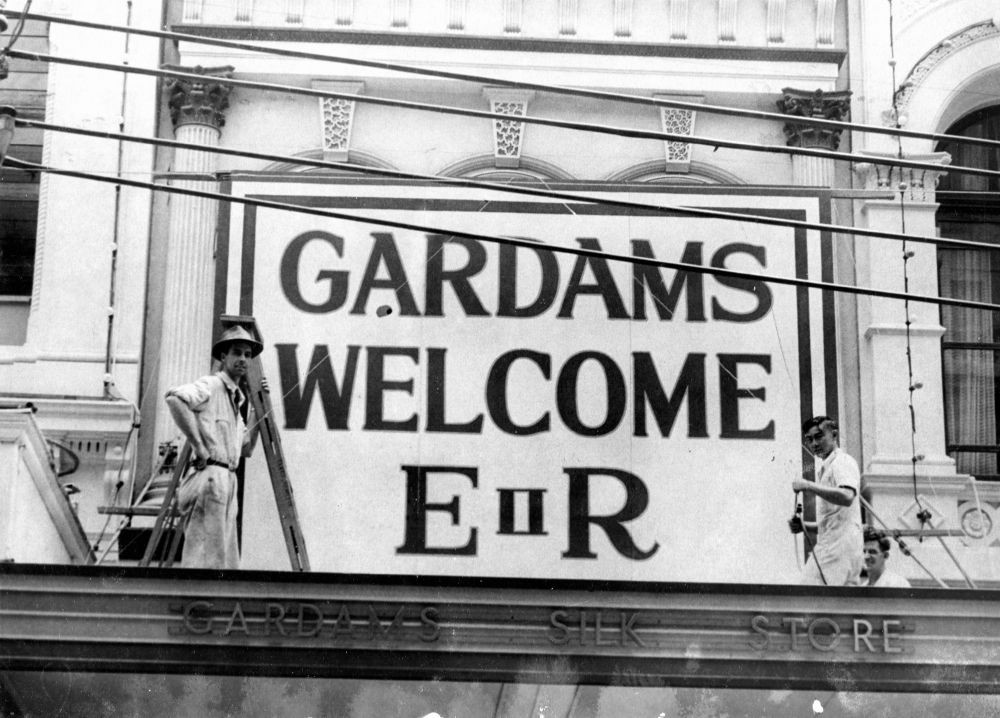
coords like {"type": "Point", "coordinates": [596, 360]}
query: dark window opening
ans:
{"type": "Point", "coordinates": [970, 209]}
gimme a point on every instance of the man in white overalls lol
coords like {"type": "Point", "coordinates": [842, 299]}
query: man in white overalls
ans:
{"type": "Point", "coordinates": [208, 412]}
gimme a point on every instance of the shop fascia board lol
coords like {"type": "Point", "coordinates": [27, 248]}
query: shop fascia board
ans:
{"type": "Point", "coordinates": [184, 621]}
{"type": "Point", "coordinates": [637, 72]}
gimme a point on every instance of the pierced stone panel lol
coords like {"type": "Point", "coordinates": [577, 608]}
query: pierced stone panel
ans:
{"type": "Point", "coordinates": [508, 134]}
{"type": "Point", "coordinates": [678, 121]}
{"type": "Point", "coordinates": [337, 118]}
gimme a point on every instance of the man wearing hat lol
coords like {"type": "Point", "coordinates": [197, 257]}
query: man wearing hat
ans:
{"type": "Point", "coordinates": [208, 413]}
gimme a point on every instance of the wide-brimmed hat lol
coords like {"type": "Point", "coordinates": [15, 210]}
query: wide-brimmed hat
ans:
{"type": "Point", "coordinates": [236, 334]}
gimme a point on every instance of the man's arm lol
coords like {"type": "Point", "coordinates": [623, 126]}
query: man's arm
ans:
{"type": "Point", "coordinates": [187, 422]}
{"type": "Point", "coordinates": [840, 495]}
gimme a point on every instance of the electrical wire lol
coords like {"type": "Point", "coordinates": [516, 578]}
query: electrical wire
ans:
{"type": "Point", "coordinates": [517, 84]}
{"type": "Point", "coordinates": [631, 133]}
{"type": "Point", "coordinates": [517, 241]}
{"type": "Point", "coordinates": [508, 188]}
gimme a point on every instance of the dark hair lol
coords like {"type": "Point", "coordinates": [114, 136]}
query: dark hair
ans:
{"type": "Point", "coordinates": [823, 422]}
{"type": "Point", "coordinates": [873, 534]}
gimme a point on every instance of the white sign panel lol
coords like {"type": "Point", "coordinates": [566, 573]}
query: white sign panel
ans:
{"type": "Point", "coordinates": [453, 406]}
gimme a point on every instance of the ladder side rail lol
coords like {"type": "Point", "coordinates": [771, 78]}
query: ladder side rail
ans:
{"type": "Point", "coordinates": [168, 504]}
{"type": "Point", "coordinates": [277, 468]}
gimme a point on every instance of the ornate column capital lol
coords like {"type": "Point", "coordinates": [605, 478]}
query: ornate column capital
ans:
{"type": "Point", "coordinates": [917, 185]}
{"type": "Point", "coordinates": [201, 102]}
{"type": "Point", "coordinates": [818, 104]}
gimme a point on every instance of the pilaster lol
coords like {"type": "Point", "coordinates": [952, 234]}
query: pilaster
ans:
{"type": "Point", "coordinates": [197, 110]}
{"type": "Point", "coordinates": [906, 470]}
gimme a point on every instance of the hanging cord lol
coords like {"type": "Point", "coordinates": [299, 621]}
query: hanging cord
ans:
{"type": "Point", "coordinates": [810, 547]}
{"type": "Point", "coordinates": [923, 514]}
{"type": "Point", "coordinates": [108, 376]}
{"type": "Point", "coordinates": [899, 541]}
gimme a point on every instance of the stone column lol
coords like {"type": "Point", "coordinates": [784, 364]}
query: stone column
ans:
{"type": "Point", "coordinates": [892, 452]}
{"type": "Point", "coordinates": [196, 110]}
{"type": "Point", "coordinates": [813, 171]}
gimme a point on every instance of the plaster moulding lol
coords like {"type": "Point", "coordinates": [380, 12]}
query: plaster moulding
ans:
{"type": "Point", "coordinates": [928, 63]}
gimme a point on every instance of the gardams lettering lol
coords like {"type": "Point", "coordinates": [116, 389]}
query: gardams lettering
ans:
{"type": "Point", "coordinates": [652, 389]}
{"type": "Point", "coordinates": [294, 619]}
{"type": "Point", "coordinates": [317, 258]}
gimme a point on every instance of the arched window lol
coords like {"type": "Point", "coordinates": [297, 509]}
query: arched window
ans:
{"type": "Point", "coordinates": [970, 209]}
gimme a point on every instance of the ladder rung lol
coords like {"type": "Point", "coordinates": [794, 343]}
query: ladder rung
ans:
{"type": "Point", "coordinates": [130, 510]}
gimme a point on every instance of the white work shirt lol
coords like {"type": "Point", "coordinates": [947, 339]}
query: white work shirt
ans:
{"type": "Point", "coordinates": [215, 401]}
{"type": "Point", "coordinates": [888, 579]}
{"type": "Point", "coordinates": [839, 527]}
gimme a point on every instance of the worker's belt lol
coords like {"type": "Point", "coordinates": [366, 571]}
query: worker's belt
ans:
{"type": "Point", "coordinates": [224, 465]}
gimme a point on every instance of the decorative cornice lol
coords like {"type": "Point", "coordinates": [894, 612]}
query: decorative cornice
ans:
{"type": "Point", "coordinates": [818, 104]}
{"type": "Point", "coordinates": [199, 102]}
{"type": "Point", "coordinates": [917, 185]}
{"type": "Point", "coordinates": [944, 49]}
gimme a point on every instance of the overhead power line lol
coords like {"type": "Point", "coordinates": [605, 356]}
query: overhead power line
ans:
{"type": "Point", "coordinates": [514, 241]}
{"type": "Point", "coordinates": [513, 188]}
{"type": "Point", "coordinates": [517, 84]}
{"type": "Point", "coordinates": [564, 124]}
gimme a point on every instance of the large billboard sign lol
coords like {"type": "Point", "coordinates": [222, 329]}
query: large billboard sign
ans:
{"type": "Point", "coordinates": [453, 406]}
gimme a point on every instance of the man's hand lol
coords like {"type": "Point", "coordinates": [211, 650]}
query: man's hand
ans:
{"type": "Point", "coordinates": [201, 457]}
{"type": "Point", "coordinates": [795, 525]}
{"type": "Point", "coordinates": [799, 485]}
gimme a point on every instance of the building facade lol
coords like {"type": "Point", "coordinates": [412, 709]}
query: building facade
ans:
{"type": "Point", "coordinates": [485, 362]}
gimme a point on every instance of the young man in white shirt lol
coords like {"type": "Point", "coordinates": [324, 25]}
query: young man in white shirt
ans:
{"type": "Point", "coordinates": [836, 559]}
